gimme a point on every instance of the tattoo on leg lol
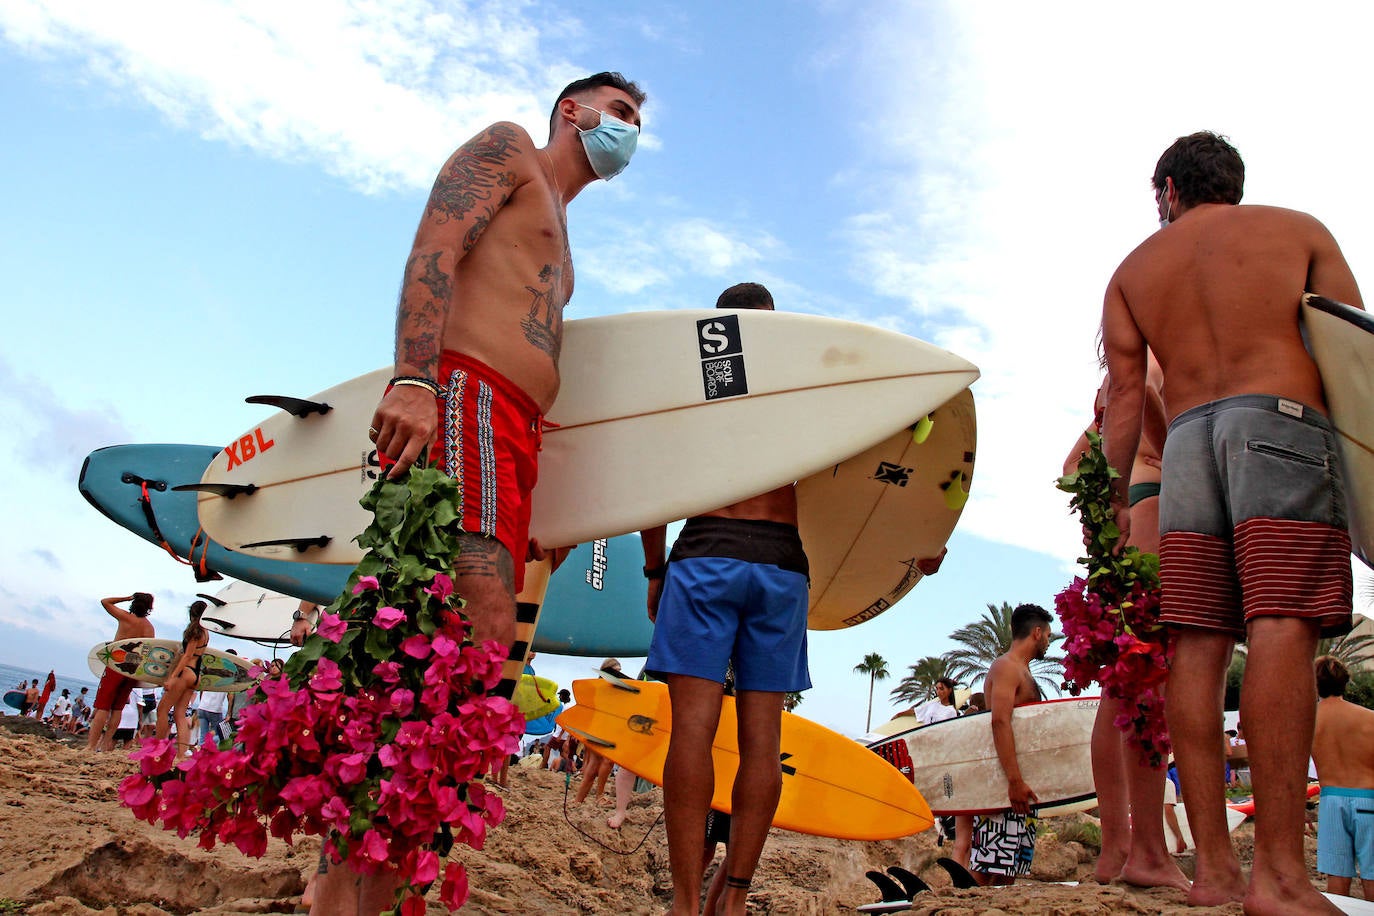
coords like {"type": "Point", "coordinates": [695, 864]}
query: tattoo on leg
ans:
{"type": "Point", "coordinates": [324, 863]}
{"type": "Point", "coordinates": [485, 557]}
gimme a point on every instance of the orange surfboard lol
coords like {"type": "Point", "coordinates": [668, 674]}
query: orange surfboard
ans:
{"type": "Point", "coordinates": [831, 785]}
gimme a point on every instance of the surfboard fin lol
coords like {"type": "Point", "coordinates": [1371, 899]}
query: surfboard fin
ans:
{"type": "Point", "coordinates": [301, 544]}
{"type": "Point", "coordinates": [955, 494]}
{"type": "Point", "coordinates": [910, 882]}
{"type": "Point", "coordinates": [892, 891]}
{"type": "Point", "coordinates": [227, 490]}
{"type": "Point", "coordinates": [957, 873]}
{"type": "Point", "coordinates": [297, 407]}
{"type": "Point", "coordinates": [217, 602]}
{"type": "Point", "coordinates": [619, 683]}
{"type": "Point", "coordinates": [589, 738]}
{"type": "Point", "coordinates": [215, 620]}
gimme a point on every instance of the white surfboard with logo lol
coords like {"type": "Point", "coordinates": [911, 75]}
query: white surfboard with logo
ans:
{"type": "Point", "coordinates": [661, 415]}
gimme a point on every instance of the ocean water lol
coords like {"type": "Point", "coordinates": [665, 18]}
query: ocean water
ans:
{"type": "Point", "coordinates": [10, 675]}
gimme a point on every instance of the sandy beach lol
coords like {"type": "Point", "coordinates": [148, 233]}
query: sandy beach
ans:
{"type": "Point", "coordinates": [67, 847]}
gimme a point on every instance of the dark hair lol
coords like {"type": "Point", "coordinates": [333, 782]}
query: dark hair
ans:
{"type": "Point", "coordinates": [605, 78]}
{"type": "Point", "coordinates": [1027, 617]}
{"type": "Point", "coordinates": [745, 296]}
{"type": "Point", "coordinates": [193, 629]}
{"type": "Point", "coordinates": [142, 605]}
{"type": "Point", "coordinates": [1205, 168]}
{"type": "Point", "coordinates": [951, 684]}
{"type": "Point", "coordinates": [1332, 676]}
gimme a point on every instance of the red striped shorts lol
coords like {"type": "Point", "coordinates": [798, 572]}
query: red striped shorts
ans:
{"type": "Point", "coordinates": [489, 436]}
{"type": "Point", "coordinates": [1252, 518]}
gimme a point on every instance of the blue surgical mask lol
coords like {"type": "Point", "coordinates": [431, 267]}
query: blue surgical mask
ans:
{"type": "Point", "coordinates": [609, 145]}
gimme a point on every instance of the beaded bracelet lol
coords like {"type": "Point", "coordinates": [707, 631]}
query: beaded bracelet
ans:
{"type": "Point", "coordinates": [418, 381]}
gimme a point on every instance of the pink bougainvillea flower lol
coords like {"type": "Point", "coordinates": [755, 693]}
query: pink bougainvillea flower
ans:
{"type": "Point", "coordinates": [365, 584]}
{"type": "Point", "coordinates": [453, 893]}
{"type": "Point", "coordinates": [388, 617]}
{"type": "Point", "coordinates": [327, 676]}
{"type": "Point", "coordinates": [331, 627]}
{"type": "Point", "coordinates": [416, 646]}
{"type": "Point", "coordinates": [441, 588]}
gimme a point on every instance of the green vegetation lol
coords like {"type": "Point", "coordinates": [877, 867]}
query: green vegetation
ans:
{"type": "Point", "coordinates": [875, 666]}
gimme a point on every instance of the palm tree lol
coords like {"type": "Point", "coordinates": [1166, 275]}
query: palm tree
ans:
{"type": "Point", "coordinates": [792, 700]}
{"type": "Point", "coordinates": [988, 637]}
{"type": "Point", "coordinates": [1355, 650]}
{"type": "Point", "coordinates": [875, 666]}
{"type": "Point", "coordinates": [919, 685]}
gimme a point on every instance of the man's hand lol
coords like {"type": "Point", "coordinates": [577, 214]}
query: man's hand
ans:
{"type": "Point", "coordinates": [655, 592]}
{"type": "Point", "coordinates": [404, 424]}
{"type": "Point", "coordinates": [1122, 517]}
{"type": "Point", "coordinates": [1022, 796]}
{"type": "Point", "coordinates": [299, 631]}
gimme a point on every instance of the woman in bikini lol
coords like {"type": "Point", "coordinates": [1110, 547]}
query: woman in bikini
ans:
{"type": "Point", "coordinates": [180, 685]}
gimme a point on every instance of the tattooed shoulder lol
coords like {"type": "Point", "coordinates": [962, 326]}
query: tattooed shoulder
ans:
{"type": "Point", "coordinates": [478, 179]}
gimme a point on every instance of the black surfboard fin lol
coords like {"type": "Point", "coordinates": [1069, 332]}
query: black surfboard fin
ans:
{"type": "Point", "coordinates": [297, 407]}
{"type": "Point", "coordinates": [957, 873]}
{"type": "Point", "coordinates": [300, 544]}
{"type": "Point", "coordinates": [910, 882]}
{"type": "Point", "coordinates": [217, 602]}
{"type": "Point", "coordinates": [892, 891]}
{"type": "Point", "coordinates": [589, 738]}
{"type": "Point", "coordinates": [227, 490]}
{"type": "Point", "coordinates": [619, 683]}
{"type": "Point", "coordinates": [215, 620]}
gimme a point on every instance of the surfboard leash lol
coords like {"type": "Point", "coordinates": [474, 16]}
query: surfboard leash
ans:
{"type": "Point", "coordinates": [200, 568]}
{"type": "Point", "coordinates": [567, 785]}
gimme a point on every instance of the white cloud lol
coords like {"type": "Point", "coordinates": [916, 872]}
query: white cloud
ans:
{"type": "Point", "coordinates": [372, 91]}
{"type": "Point", "coordinates": [1010, 177]}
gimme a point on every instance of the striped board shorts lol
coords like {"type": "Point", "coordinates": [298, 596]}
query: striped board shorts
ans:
{"type": "Point", "coordinates": [1252, 518]}
{"type": "Point", "coordinates": [490, 432]}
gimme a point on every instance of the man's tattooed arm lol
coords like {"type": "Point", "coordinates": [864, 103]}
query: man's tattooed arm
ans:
{"type": "Point", "coordinates": [474, 184]}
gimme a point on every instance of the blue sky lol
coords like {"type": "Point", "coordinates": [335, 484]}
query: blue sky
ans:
{"type": "Point", "coordinates": [208, 200]}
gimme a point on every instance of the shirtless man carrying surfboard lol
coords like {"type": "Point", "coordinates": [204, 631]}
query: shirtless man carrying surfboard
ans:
{"type": "Point", "coordinates": [479, 326]}
{"type": "Point", "coordinates": [737, 581]}
{"type": "Point", "coordinates": [1004, 844]}
{"type": "Point", "coordinates": [1252, 515]}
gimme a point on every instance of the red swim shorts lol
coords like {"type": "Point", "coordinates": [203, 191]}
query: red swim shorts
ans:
{"type": "Point", "coordinates": [489, 437]}
{"type": "Point", "coordinates": [114, 691]}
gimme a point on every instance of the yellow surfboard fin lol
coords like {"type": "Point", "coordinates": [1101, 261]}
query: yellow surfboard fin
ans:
{"type": "Point", "coordinates": [955, 494]}
{"type": "Point", "coordinates": [921, 432]}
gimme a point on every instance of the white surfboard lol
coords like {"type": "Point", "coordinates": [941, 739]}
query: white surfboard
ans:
{"type": "Point", "coordinates": [1352, 905]}
{"type": "Point", "coordinates": [661, 415]}
{"type": "Point", "coordinates": [247, 611]}
{"type": "Point", "coordinates": [1234, 819]}
{"type": "Point", "coordinates": [1341, 339]}
{"type": "Point", "coordinates": [954, 764]}
{"type": "Point", "coordinates": [869, 521]}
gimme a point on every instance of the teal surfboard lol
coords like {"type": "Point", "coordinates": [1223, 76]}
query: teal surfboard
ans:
{"type": "Point", "coordinates": [594, 606]}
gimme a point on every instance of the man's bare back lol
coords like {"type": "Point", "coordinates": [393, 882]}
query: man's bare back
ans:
{"type": "Point", "coordinates": [1218, 294]}
{"type": "Point", "coordinates": [1343, 744]}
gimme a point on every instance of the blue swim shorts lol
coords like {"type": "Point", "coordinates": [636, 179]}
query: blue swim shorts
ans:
{"type": "Point", "coordinates": [748, 604]}
{"type": "Point", "coordinates": [1345, 832]}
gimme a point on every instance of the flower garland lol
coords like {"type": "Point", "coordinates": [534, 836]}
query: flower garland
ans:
{"type": "Point", "coordinates": [376, 734]}
{"type": "Point", "coordinates": [1111, 618]}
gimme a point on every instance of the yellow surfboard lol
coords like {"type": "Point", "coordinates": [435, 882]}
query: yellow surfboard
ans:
{"type": "Point", "coordinates": [831, 786]}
